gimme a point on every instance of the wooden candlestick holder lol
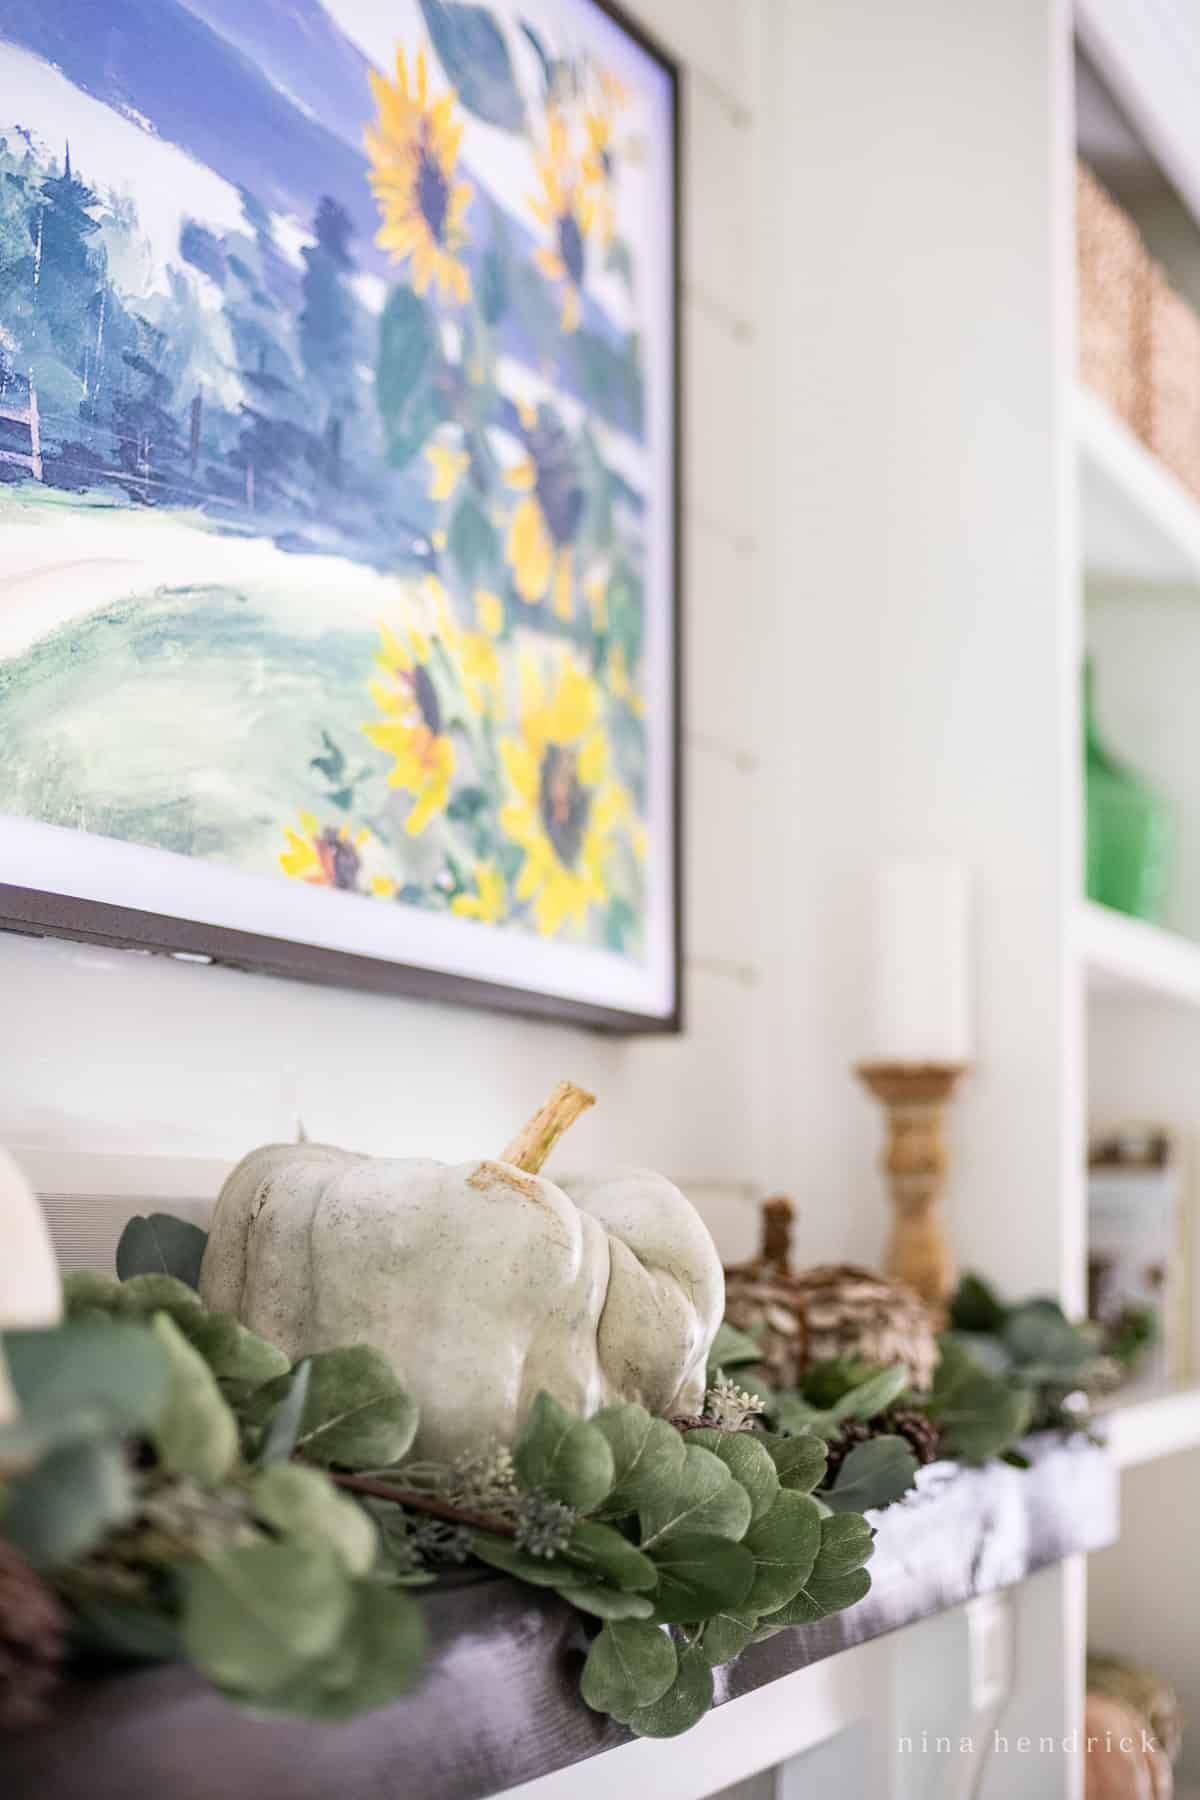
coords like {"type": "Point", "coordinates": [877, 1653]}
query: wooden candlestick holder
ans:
{"type": "Point", "coordinates": [915, 1096]}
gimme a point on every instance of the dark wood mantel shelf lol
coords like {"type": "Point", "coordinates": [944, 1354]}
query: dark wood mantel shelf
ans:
{"type": "Point", "coordinates": [500, 1703]}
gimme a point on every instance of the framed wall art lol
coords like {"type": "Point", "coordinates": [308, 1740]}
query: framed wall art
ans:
{"type": "Point", "coordinates": [339, 492]}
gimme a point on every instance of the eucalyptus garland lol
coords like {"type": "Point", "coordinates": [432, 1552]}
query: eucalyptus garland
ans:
{"type": "Point", "coordinates": [182, 1492]}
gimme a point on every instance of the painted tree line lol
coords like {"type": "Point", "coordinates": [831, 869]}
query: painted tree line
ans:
{"type": "Point", "coordinates": [262, 404]}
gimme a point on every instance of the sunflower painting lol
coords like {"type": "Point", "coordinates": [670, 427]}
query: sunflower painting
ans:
{"type": "Point", "coordinates": [337, 474]}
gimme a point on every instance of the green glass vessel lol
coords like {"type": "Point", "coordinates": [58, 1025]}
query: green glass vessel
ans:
{"type": "Point", "coordinates": [1129, 827]}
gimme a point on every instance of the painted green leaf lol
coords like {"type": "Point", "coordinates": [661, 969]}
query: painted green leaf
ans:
{"type": "Point", "coordinates": [699, 1574]}
{"type": "Point", "coordinates": [112, 1367]}
{"type": "Point", "coordinates": [161, 1245]}
{"type": "Point", "coordinates": [748, 1461]}
{"type": "Point", "coordinates": [683, 1705]}
{"type": "Point", "coordinates": [303, 1505]}
{"type": "Point", "coordinates": [874, 1474]}
{"type": "Point", "coordinates": [472, 540]}
{"type": "Point", "coordinates": [475, 58]}
{"type": "Point", "coordinates": [611, 1556]}
{"type": "Point", "coordinates": [799, 1461]}
{"type": "Point", "coordinates": [254, 1616]}
{"type": "Point", "coordinates": [195, 1434]}
{"type": "Point", "coordinates": [563, 1456]}
{"type": "Point", "coordinates": [355, 1411]}
{"type": "Point", "coordinates": [68, 1502]}
{"type": "Point", "coordinates": [784, 1546]}
{"type": "Point", "coordinates": [704, 1498]}
{"type": "Point", "coordinates": [630, 1664]}
{"type": "Point", "coordinates": [647, 1456]}
{"type": "Point", "coordinates": [406, 391]}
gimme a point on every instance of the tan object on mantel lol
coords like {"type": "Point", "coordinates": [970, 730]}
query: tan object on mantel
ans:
{"type": "Point", "coordinates": [832, 1310]}
{"type": "Point", "coordinates": [915, 1096]}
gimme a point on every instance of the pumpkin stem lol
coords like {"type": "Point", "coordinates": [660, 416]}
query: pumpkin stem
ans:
{"type": "Point", "coordinates": [534, 1142]}
{"type": "Point", "coordinates": [777, 1233]}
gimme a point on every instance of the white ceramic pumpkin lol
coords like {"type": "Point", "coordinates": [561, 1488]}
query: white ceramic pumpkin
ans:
{"type": "Point", "coordinates": [481, 1283]}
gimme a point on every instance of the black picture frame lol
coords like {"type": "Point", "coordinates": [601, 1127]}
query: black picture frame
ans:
{"type": "Point", "coordinates": [36, 912]}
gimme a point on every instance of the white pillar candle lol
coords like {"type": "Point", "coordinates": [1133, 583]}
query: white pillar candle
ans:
{"type": "Point", "coordinates": [923, 963]}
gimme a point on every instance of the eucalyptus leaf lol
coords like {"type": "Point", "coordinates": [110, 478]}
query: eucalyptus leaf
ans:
{"type": "Point", "coordinates": [980, 1415]}
{"type": "Point", "coordinates": [799, 1461]}
{"type": "Point", "coordinates": [872, 1396]}
{"type": "Point", "coordinates": [874, 1474]}
{"type": "Point", "coordinates": [608, 1603]}
{"type": "Point", "coordinates": [539, 1571]}
{"type": "Point", "coordinates": [135, 1631]}
{"type": "Point", "coordinates": [611, 1556]}
{"type": "Point", "coordinates": [564, 1457]}
{"type": "Point", "coordinates": [976, 1306]}
{"type": "Point", "coordinates": [699, 1574]}
{"type": "Point", "coordinates": [683, 1705]}
{"type": "Point", "coordinates": [792, 1413]}
{"type": "Point", "coordinates": [630, 1664]}
{"type": "Point", "coordinates": [233, 1354]}
{"type": "Point", "coordinates": [113, 1368]}
{"type": "Point", "coordinates": [253, 1617]}
{"type": "Point", "coordinates": [355, 1411]}
{"type": "Point", "coordinates": [195, 1434]}
{"type": "Point", "coordinates": [141, 1296]}
{"type": "Point", "coordinates": [838, 1579]}
{"type": "Point", "coordinates": [284, 1429]}
{"type": "Point", "coordinates": [748, 1461]}
{"type": "Point", "coordinates": [732, 1349]}
{"type": "Point", "coordinates": [705, 1498]}
{"type": "Point", "coordinates": [648, 1456]}
{"type": "Point", "coordinates": [161, 1245]}
{"type": "Point", "coordinates": [303, 1505]}
{"type": "Point", "coordinates": [726, 1635]}
{"type": "Point", "coordinates": [784, 1546]}
{"type": "Point", "coordinates": [67, 1503]}
{"type": "Point", "coordinates": [379, 1656]}
{"type": "Point", "coordinates": [85, 1289]}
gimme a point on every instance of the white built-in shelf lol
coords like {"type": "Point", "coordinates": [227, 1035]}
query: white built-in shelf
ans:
{"type": "Point", "coordinates": [1139, 523]}
{"type": "Point", "coordinates": [1140, 1431]}
{"type": "Point", "coordinates": [1124, 955]}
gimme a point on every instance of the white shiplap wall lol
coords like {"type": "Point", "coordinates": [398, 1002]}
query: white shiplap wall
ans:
{"type": "Point", "coordinates": [113, 1051]}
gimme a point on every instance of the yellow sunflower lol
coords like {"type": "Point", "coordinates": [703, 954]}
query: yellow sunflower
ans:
{"type": "Point", "coordinates": [540, 545]}
{"type": "Point", "coordinates": [412, 726]}
{"type": "Point", "coordinates": [566, 209]}
{"type": "Point", "coordinates": [489, 902]}
{"type": "Point", "coordinates": [598, 167]}
{"type": "Point", "coordinates": [564, 807]}
{"type": "Point", "coordinates": [330, 857]}
{"type": "Point", "coordinates": [414, 157]}
{"type": "Point", "coordinates": [446, 468]}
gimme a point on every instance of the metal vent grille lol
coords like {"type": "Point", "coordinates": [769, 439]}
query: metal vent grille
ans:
{"type": "Point", "coordinates": [85, 1227]}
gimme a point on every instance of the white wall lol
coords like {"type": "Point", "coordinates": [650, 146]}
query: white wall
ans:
{"type": "Point", "coordinates": [110, 1050]}
{"type": "Point", "coordinates": [924, 652]}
